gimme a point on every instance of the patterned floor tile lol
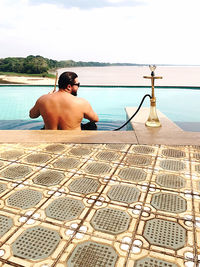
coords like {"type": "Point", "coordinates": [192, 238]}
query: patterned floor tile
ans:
{"type": "Point", "coordinates": [92, 205]}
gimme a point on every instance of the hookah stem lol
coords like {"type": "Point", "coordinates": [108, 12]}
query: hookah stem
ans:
{"type": "Point", "coordinates": [152, 85]}
{"type": "Point", "coordinates": [56, 80]}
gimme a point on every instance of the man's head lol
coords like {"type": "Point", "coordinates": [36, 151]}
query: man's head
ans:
{"type": "Point", "coordinates": [69, 80]}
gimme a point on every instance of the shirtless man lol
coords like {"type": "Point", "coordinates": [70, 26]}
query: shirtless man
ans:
{"type": "Point", "coordinates": [62, 110]}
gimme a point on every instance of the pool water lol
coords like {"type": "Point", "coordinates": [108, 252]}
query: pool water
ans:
{"type": "Point", "coordinates": [178, 104]}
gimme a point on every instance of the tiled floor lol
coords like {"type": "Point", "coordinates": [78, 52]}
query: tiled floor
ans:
{"type": "Point", "coordinates": [99, 205]}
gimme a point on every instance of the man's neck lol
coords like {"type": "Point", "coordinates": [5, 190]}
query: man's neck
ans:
{"type": "Point", "coordinates": [64, 90]}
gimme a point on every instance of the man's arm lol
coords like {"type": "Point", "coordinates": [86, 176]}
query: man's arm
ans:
{"type": "Point", "coordinates": [89, 112]}
{"type": "Point", "coordinates": [34, 112]}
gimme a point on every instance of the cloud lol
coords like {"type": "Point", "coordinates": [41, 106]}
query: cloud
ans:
{"type": "Point", "coordinates": [156, 32]}
{"type": "Point", "coordinates": [88, 4]}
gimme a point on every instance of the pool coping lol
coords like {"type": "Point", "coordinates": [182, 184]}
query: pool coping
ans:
{"type": "Point", "coordinates": [68, 136]}
{"type": "Point", "coordinates": [169, 133]}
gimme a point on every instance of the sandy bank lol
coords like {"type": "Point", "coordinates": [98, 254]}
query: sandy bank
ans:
{"type": "Point", "coordinates": [125, 75]}
{"type": "Point", "coordinates": [26, 80]}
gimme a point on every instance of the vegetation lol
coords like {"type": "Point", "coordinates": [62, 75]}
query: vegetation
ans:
{"type": "Point", "coordinates": [29, 65]}
{"type": "Point", "coordinates": [41, 66]}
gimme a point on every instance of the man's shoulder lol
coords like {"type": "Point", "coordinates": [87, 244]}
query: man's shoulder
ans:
{"type": "Point", "coordinates": [42, 98]}
{"type": "Point", "coordinates": [81, 100]}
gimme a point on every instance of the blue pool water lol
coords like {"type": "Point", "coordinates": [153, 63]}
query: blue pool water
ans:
{"type": "Point", "coordinates": [180, 105]}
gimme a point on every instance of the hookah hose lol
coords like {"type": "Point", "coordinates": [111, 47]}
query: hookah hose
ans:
{"type": "Point", "coordinates": [134, 113]}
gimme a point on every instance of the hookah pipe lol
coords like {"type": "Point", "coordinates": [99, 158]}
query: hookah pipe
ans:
{"type": "Point", "coordinates": [153, 120]}
{"type": "Point", "coordinates": [54, 89]}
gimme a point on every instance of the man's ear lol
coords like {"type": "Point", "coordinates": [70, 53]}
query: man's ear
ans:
{"type": "Point", "coordinates": [69, 88]}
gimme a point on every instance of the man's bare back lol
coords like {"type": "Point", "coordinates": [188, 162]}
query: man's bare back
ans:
{"type": "Point", "coordinates": [62, 110]}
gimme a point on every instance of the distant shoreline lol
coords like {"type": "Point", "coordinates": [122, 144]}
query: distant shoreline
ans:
{"type": "Point", "coordinates": [119, 75]}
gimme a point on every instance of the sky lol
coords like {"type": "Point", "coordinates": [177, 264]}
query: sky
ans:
{"type": "Point", "coordinates": [131, 31]}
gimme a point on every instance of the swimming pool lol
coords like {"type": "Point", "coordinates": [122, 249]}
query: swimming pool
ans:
{"type": "Point", "coordinates": [179, 104]}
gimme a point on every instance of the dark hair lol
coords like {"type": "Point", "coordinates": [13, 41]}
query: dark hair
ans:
{"type": "Point", "coordinates": [66, 78]}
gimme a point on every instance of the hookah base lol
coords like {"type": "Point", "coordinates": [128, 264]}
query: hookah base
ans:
{"type": "Point", "coordinates": [153, 123]}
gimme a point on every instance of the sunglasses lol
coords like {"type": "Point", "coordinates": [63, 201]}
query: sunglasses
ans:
{"type": "Point", "coordinates": [78, 84]}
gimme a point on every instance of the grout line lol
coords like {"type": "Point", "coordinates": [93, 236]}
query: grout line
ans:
{"type": "Point", "coordinates": [10, 263]}
{"type": "Point", "coordinates": [193, 209]}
